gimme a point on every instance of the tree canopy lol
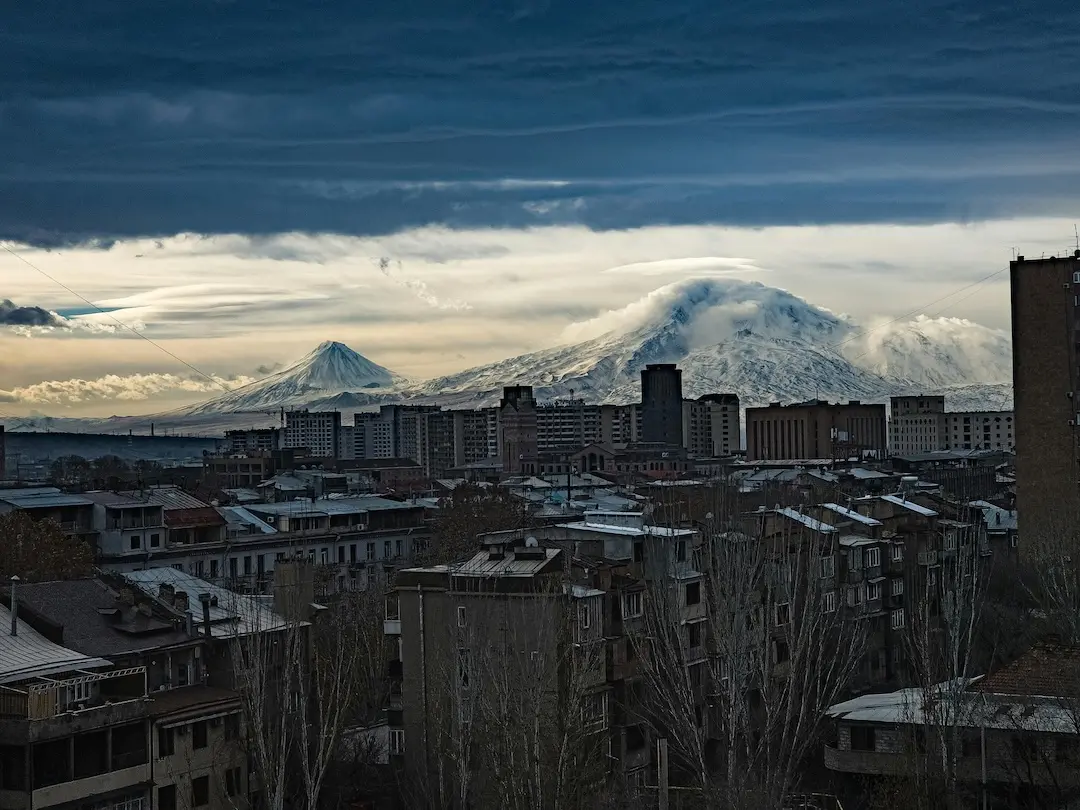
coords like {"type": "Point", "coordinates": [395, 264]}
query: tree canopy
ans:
{"type": "Point", "coordinates": [469, 511]}
{"type": "Point", "coordinates": [38, 551]}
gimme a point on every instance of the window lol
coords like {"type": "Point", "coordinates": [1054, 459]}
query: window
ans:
{"type": "Point", "coordinates": [693, 593]}
{"type": "Point", "coordinates": [232, 727]}
{"type": "Point", "coordinates": [583, 616]}
{"type": "Point", "coordinates": [341, 554]}
{"type": "Point", "coordinates": [181, 674]}
{"type": "Point", "coordinates": [1066, 749]}
{"type": "Point", "coordinates": [829, 603]}
{"type": "Point", "coordinates": [136, 543]}
{"type": "Point", "coordinates": [464, 668]}
{"type": "Point", "coordinates": [199, 568]}
{"type": "Point", "coordinates": [896, 587]}
{"type": "Point", "coordinates": [897, 552]}
{"type": "Point", "coordinates": [595, 709]}
{"type": "Point", "coordinates": [680, 551]}
{"type": "Point", "coordinates": [166, 797]}
{"type": "Point", "coordinates": [166, 742]}
{"type": "Point", "coordinates": [873, 591]}
{"type": "Point", "coordinates": [854, 596]}
{"type": "Point", "coordinates": [213, 569]}
{"type": "Point", "coordinates": [783, 614]}
{"type": "Point", "coordinates": [198, 734]}
{"type": "Point", "coordinates": [352, 552]}
{"type": "Point", "coordinates": [632, 604]}
{"type": "Point", "coordinates": [873, 557]}
{"type": "Point", "coordinates": [371, 551]}
{"type": "Point", "coordinates": [397, 741]}
{"type": "Point", "coordinates": [897, 619]}
{"type": "Point", "coordinates": [200, 791]}
{"type": "Point", "coordinates": [461, 616]}
{"type": "Point", "coordinates": [324, 556]}
{"type": "Point", "coordinates": [232, 567]}
{"type": "Point", "coordinates": [862, 738]}
{"type": "Point", "coordinates": [639, 551]}
{"type": "Point", "coordinates": [232, 782]}
{"type": "Point", "coordinates": [780, 652]}
{"type": "Point", "coordinates": [155, 540]}
{"type": "Point", "coordinates": [827, 566]}
{"type": "Point", "coordinates": [693, 634]}
{"type": "Point", "coordinates": [386, 549]}
{"type": "Point", "coordinates": [855, 559]}
{"type": "Point", "coordinates": [397, 548]}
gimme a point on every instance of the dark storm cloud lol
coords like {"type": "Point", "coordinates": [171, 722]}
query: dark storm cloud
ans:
{"type": "Point", "coordinates": [13, 315]}
{"type": "Point", "coordinates": [123, 119]}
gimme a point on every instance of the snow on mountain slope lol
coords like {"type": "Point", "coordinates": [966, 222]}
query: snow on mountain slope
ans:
{"type": "Point", "coordinates": [331, 369]}
{"type": "Point", "coordinates": [761, 342]}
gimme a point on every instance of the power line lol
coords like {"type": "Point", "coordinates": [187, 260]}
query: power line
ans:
{"type": "Point", "coordinates": [112, 317]}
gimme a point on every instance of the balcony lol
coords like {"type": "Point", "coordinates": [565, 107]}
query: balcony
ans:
{"type": "Point", "coordinates": [82, 789]}
{"type": "Point", "coordinates": [928, 558]}
{"type": "Point", "coordinates": [865, 762]}
{"type": "Point", "coordinates": [391, 627]}
{"type": "Point", "coordinates": [76, 704]}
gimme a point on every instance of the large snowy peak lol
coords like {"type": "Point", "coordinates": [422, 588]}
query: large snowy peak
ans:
{"type": "Point", "coordinates": [761, 342]}
{"type": "Point", "coordinates": [331, 369]}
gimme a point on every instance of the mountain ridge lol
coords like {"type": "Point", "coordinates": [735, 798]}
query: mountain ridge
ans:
{"type": "Point", "coordinates": [763, 343]}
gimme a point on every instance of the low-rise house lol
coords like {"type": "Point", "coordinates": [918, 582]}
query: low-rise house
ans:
{"type": "Point", "coordinates": [1011, 738]}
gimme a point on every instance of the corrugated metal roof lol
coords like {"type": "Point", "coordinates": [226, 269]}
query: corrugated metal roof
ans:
{"type": "Point", "coordinates": [234, 614]}
{"type": "Point", "coordinates": [174, 498]}
{"type": "Point", "coordinates": [238, 514]}
{"type": "Point", "coordinates": [909, 505]}
{"type": "Point", "coordinates": [30, 655]}
{"type": "Point", "coordinates": [806, 520]}
{"type": "Point", "coordinates": [45, 500]}
{"type": "Point", "coordinates": [117, 499]}
{"type": "Point", "coordinates": [329, 506]}
{"type": "Point", "coordinates": [851, 514]}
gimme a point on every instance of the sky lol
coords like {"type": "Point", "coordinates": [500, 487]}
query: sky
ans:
{"type": "Point", "coordinates": [444, 184]}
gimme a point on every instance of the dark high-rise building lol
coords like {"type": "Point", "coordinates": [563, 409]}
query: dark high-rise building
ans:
{"type": "Point", "coordinates": [815, 430]}
{"type": "Point", "coordinates": [1046, 384]}
{"type": "Point", "coordinates": [661, 404]}
{"type": "Point", "coordinates": [517, 430]}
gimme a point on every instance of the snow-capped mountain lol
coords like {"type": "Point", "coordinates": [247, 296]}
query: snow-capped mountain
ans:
{"type": "Point", "coordinates": [330, 370]}
{"type": "Point", "coordinates": [763, 343]}
{"type": "Point", "coordinates": [760, 342]}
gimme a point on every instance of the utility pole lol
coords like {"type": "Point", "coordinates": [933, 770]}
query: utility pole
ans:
{"type": "Point", "coordinates": [662, 773]}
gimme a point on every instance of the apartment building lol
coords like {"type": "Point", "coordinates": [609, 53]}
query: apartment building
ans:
{"type": "Point", "coordinates": [920, 424]}
{"type": "Point", "coordinates": [114, 696]}
{"type": "Point", "coordinates": [815, 429]}
{"type": "Point", "coordinates": [661, 404]}
{"type": "Point", "coordinates": [518, 431]}
{"type": "Point", "coordinates": [711, 425]}
{"type": "Point", "coordinates": [1046, 377]}
{"type": "Point", "coordinates": [252, 440]}
{"type": "Point", "coordinates": [318, 431]}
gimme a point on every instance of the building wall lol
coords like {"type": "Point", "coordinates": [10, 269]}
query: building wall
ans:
{"type": "Point", "coordinates": [517, 430]}
{"type": "Point", "coordinates": [711, 425]}
{"type": "Point", "coordinates": [319, 431]}
{"type": "Point", "coordinates": [661, 404]}
{"type": "Point", "coordinates": [1045, 338]}
{"type": "Point", "coordinates": [979, 430]}
{"type": "Point", "coordinates": [814, 430]}
{"type": "Point", "coordinates": [186, 763]}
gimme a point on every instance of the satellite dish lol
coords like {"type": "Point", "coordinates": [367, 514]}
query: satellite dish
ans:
{"type": "Point", "coordinates": [530, 542]}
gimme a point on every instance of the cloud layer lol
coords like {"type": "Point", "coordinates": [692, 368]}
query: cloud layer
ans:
{"type": "Point", "coordinates": [13, 315]}
{"type": "Point", "coordinates": [123, 389]}
{"type": "Point", "coordinates": [371, 119]}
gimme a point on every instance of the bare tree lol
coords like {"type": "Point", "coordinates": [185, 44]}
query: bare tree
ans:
{"type": "Point", "coordinates": [770, 653]}
{"type": "Point", "coordinates": [304, 678]}
{"type": "Point", "coordinates": [518, 713]}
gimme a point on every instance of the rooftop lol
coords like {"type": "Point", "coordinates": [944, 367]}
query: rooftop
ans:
{"type": "Point", "coordinates": [174, 498]}
{"type": "Point", "coordinates": [851, 514]}
{"type": "Point", "coordinates": [118, 499]}
{"type": "Point", "coordinates": [909, 505]}
{"type": "Point", "coordinates": [239, 516]}
{"type": "Point", "coordinates": [29, 654]}
{"type": "Point", "coordinates": [329, 506]}
{"type": "Point", "coordinates": [1046, 669]}
{"type": "Point", "coordinates": [44, 498]}
{"type": "Point", "coordinates": [233, 615]}
{"type": "Point", "coordinates": [806, 520]}
{"type": "Point", "coordinates": [94, 621]}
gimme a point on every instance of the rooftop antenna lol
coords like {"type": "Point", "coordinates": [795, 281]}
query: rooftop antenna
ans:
{"type": "Point", "coordinates": [1076, 236]}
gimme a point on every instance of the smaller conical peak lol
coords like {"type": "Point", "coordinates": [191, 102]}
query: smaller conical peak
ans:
{"type": "Point", "coordinates": [331, 346]}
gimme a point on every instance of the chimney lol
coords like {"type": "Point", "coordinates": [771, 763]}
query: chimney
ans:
{"type": "Point", "coordinates": [166, 592]}
{"type": "Point", "coordinates": [180, 601]}
{"type": "Point", "coordinates": [189, 620]}
{"type": "Point", "coordinates": [205, 599]}
{"type": "Point", "coordinates": [127, 596]}
{"type": "Point", "coordinates": [14, 607]}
